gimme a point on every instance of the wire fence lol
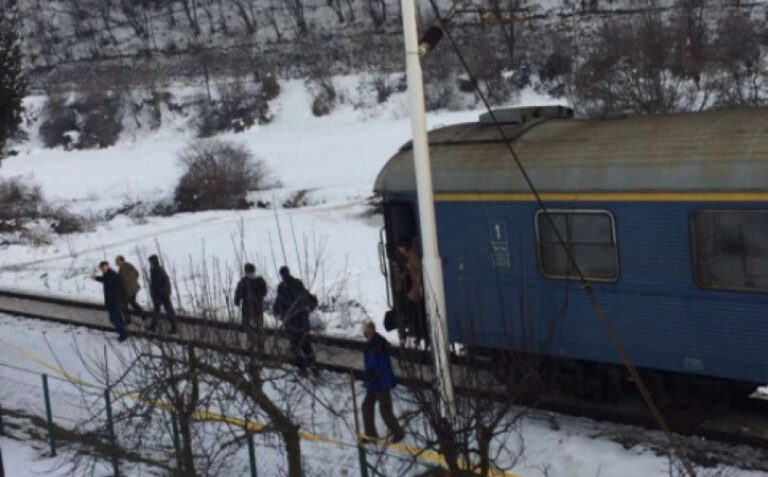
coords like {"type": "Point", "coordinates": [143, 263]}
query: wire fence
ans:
{"type": "Point", "coordinates": [62, 406]}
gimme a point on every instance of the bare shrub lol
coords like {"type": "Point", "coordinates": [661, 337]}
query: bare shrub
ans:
{"type": "Point", "coordinates": [60, 120]}
{"type": "Point", "coordinates": [64, 222]}
{"type": "Point", "coordinates": [26, 217]}
{"type": "Point", "coordinates": [163, 208]}
{"type": "Point", "coordinates": [384, 87]}
{"type": "Point", "coordinates": [102, 120]}
{"type": "Point", "coordinates": [219, 175]}
{"type": "Point", "coordinates": [325, 99]}
{"type": "Point", "coordinates": [297, 200]}
{"type": "Point", "coordinates": [93, 120]}
{"type": "Point", "coordinates": [321, 82]}
{"type": "Point", "coordinates": [270, 88]}
{"type": "Point", "coordinates": [441, 84]}
{"type": "Point", "coordinates": [19, 204]}
{"type": "Point", "coordinates": [740, 60]}
{"type": "Point", "coordinates": [237, 110]}
{"type": "Point", "coordinates": [630, 66]}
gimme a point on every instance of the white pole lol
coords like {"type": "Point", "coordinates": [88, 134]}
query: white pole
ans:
{"type": "Point", "coordinates": [434, 293]}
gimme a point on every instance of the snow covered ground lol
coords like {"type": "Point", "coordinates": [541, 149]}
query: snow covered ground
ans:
{"type": "Point", "coordinates": [554, 445]}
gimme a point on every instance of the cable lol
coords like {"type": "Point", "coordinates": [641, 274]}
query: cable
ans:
{"type": "Point", "coordinates": [585, 285]}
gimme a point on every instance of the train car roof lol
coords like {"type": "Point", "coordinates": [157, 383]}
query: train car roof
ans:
{"type": "Point", "coordinates": [719, 150]}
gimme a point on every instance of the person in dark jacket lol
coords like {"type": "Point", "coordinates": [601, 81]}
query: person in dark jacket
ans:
{"type": "Point", "coordinates": [129, 278]}
{"type": "Point", "coordinates": [379, 382]}
{"type": "Point", "coordinates": [160, 290]}
{"type": "Point", "coordinates": [249, 296]}
{"type": "Point", "coordinates": [292, 306]}
{"type": "Point", "coordinates": [113, 298]}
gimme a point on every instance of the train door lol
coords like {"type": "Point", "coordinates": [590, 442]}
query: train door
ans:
{"type": "Point", "coordinates": [399, 228]}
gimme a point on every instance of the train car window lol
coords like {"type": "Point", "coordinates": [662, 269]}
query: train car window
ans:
{"type": "Point", "coordinates": [591, 237]}
{"type": "Point", "coordinates": [730, 250]}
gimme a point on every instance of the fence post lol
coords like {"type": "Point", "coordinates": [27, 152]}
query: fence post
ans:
{"type": "Point", "coordinates": [251, 451]}
{"type": "Point", "coordinates": [111, 431]}
{"type": "Point", "coordinates": [49, 416]}
{"type": "Point", "coordinates": [361, 455]}
{"type": "Point", "coordinates": [176, 442]}
{"type": "Point", "coordinates": [2, 468]}
{"type": "Point", "coordinates": [363, 460]}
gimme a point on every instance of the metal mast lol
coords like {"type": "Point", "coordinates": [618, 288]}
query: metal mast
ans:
{"type": "Point", "coordinates": [434, 293]}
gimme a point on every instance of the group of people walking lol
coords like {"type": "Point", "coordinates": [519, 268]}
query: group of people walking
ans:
{"type": "Point", "coordinates": [293, 305]}
{"type": "Point", "coordinates": [122, 287]}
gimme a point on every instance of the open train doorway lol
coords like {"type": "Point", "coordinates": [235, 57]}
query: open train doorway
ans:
{"type": "Point", "coordinates": [401, 263]}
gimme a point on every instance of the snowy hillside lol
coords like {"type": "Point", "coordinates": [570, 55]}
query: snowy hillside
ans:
{"type": "Point", "coordinates": [334, 159]}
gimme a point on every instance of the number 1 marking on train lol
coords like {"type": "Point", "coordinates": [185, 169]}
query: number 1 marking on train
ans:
{"type": "Point", "coordinates": [499, 244]}
{"type": "Point", "coordinates": [498, 230]}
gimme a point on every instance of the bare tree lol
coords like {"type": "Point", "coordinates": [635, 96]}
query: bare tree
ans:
{"type": "Point", "coordinates": [631, 66]}
{"type": "Point", "coordinates": [191, 13]}
{"type": "Point", "coordinates": [296, 11]}
{"type": "Point", "coordinates": [247, 14]}
{"type": "Point", "coordinates": [742, 76]}
{"type": "Point", "coordinates": [377, 11]}
{"type": "Point", "coordinates": [339, 6]}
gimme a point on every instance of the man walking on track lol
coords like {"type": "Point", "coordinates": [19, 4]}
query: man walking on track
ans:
{"type": "Point", "coordinates": [113, 298]}
{"type": "Point", "coordinates": [293, 305]}
{"type": "Point", "coordinates": [129, 278]}
{"type": "Point", "coordinates": [160, 290]}
{"type": "Point", "coordinates": [249, 295]}
{"type": "Point", "coordinates": [379, 381]}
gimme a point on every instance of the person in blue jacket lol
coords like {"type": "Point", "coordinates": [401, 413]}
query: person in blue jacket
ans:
{"type": "Point", "coordinates": [379, 382]}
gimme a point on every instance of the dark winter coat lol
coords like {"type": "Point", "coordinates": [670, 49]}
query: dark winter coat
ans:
{"type": "Point", "coordinates": [250, 294]}
{"type": "Point", "coordinates": [293, 303]}
{"type": "Point", "coordinates": [378, 374]}
{"type": "Point", "coordinates": [129, 277]}
{"type": "Point", "coordinates": [113, 289]}
{"type": "Point", "coordinates": [159, 283]}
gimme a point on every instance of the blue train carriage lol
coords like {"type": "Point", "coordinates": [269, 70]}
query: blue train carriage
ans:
{"type": "Point", "coordinates": [667, 216]}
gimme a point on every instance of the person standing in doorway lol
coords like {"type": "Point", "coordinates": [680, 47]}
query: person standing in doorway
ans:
{"type": "Point", "coordinates": [379, 381]}
{"type": "Point", "coordinates": [414, 291]}
{"type": "Point", "coordinates": [113, 298]}
{"type": "Point", "coordinates": [129, 279]}
{"type": "Point", "coordinates": [160, 289]}
{"type": "Point", "coordinates": [249, 296]}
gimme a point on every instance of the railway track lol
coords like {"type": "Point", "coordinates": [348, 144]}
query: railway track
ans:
{"type": "Point", "coordinates": [705, 431]}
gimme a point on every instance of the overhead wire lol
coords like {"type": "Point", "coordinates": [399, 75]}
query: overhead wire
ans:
{"type": "Point", "coordinates": [608, 324]}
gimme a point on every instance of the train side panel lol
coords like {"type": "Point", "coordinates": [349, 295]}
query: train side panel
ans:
{"type": "Point", "coordinates": [498, 297]}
